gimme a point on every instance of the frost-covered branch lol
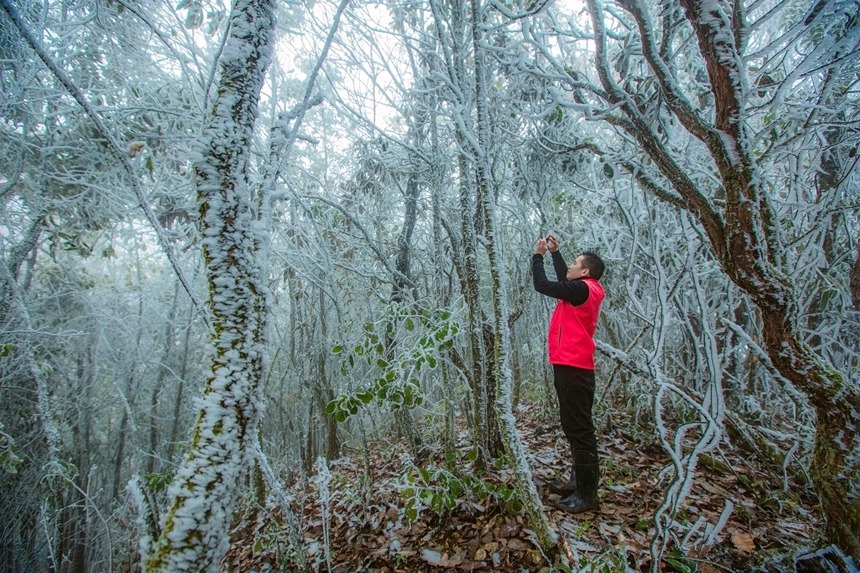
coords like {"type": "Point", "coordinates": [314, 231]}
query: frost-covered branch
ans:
{"type": "Point", "coordinates": [370, 243]}
{"type": "Point", "coordinates": [656, 150]}
{"type": "Point", "coordinates": [118, 153]}
{"type": "Point", "coordinates": [286, 130]}
{"type": "Point", "coordinates": [674, 96]}
{"type": "Point", "coordinates": [43, 402]}
{"type": "Point", "coordinates": [277, 491]}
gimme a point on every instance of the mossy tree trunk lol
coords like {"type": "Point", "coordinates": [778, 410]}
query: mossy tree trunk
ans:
{"type": "Point", "coordinates": [194, 535]}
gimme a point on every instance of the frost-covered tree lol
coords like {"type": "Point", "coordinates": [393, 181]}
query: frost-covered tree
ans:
{"type": "Point", "coordinates": [719, 112]}
{"type": "Point", "coordinates": [67, 179]}
{"type": "Point", "coordinates": [193, 535]}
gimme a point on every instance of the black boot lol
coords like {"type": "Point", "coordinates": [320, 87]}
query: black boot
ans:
{"type": "Point", "coordinates": [566, 488]}
{"type": "Point", "coordinates": [587, 477]}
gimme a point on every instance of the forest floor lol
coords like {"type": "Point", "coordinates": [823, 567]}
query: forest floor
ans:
{"type": "Point", "coordinates": [447, 517]}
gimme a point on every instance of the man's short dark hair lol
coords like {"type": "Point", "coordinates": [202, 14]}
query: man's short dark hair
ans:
{"type": "Point", "coordinates": [594, 264]}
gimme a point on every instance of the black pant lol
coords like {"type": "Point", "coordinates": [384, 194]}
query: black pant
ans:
{"type": "Point", "coordinates": [575, 390]}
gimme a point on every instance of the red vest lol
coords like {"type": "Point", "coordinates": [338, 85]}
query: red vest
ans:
{"type": "Point", "coordinates": [571, 329]}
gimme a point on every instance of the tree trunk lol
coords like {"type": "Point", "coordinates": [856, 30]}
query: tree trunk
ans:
{"type": "Point", "coordinates": [203, 495]}
{"type": "Point", "coordinates": [164, 369]}
{"type": "Point", "coordinates": [835, 467]}
{"type": "Point", "coordinates": [323, 389]}
{"type": "Point", "coordinates": [744, 233]}
{"type": "Point", "coordinates": [499, 385]}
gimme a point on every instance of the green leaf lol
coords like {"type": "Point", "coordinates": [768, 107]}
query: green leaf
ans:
{"type": "Point", "coordinates": [331, 407]}
{"type": "Point", "coordinates": [682, 566]}
{"type": "Point", "coordinates": [681, 562]}
{"type": "Point", "coordinates": [436, 503]}
{"type": "Point", "coordinates": [396, 398]}
{"type": "Point", "coordinates": [337, 349]}
{"type": "Point", "coordinates": [410, 326]}
{"type": "Point", "coordinates": [608, 171]}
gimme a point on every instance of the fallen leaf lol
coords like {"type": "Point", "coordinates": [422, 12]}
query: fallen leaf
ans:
{"type": "Point", "coordinates": [743, 542]}
{"type": "Point", "coordinates": [432, 557]}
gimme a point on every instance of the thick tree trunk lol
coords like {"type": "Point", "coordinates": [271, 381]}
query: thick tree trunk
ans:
{"type": "Point", "coordinates": [195, 533]}
{"type": "Point", "coordinates": [753, 257]}
{"type": "Point", "coordinates": [835, 467]}
{"type": "Point", "coordinates": [481, 428]}
{"type": "Point", "coordinates": [744, 234]}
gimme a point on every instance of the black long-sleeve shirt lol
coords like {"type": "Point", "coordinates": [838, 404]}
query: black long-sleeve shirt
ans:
{"type": "Point", "coordinates": [575, 291]}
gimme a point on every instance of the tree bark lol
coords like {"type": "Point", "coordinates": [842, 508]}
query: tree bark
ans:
{"type": "Point", "coordinates": [745, 237]}
{"type": "Point", "coordinates": [195, 533]}
{"type": "Point", "coordinates": [500, 383]}
{"type": "Point", "coordinates": [854, 279]}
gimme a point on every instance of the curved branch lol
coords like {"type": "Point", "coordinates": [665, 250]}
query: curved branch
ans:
{"type": "Point", "coordinates": [282, 139]}
{"type": "Point", "coordinates": [674, 98]}
{"type": "Point", "coordinates": [638, 127]}
{"type": "Point", "coordinates": [343, 211]}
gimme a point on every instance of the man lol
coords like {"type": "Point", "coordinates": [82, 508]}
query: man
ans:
{"type": "Point", "coordinates": [571, 353]}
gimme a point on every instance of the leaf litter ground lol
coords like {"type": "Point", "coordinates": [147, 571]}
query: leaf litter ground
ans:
{"type": "Point", "coordinates": [367, 525]}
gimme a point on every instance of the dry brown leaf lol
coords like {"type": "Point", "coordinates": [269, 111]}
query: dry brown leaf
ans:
{"type": "Point", "coordinates": [743, 542]}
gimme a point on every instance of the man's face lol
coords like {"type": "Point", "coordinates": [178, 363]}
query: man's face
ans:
{"type": "Point", "coordinates": [576, 270]}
